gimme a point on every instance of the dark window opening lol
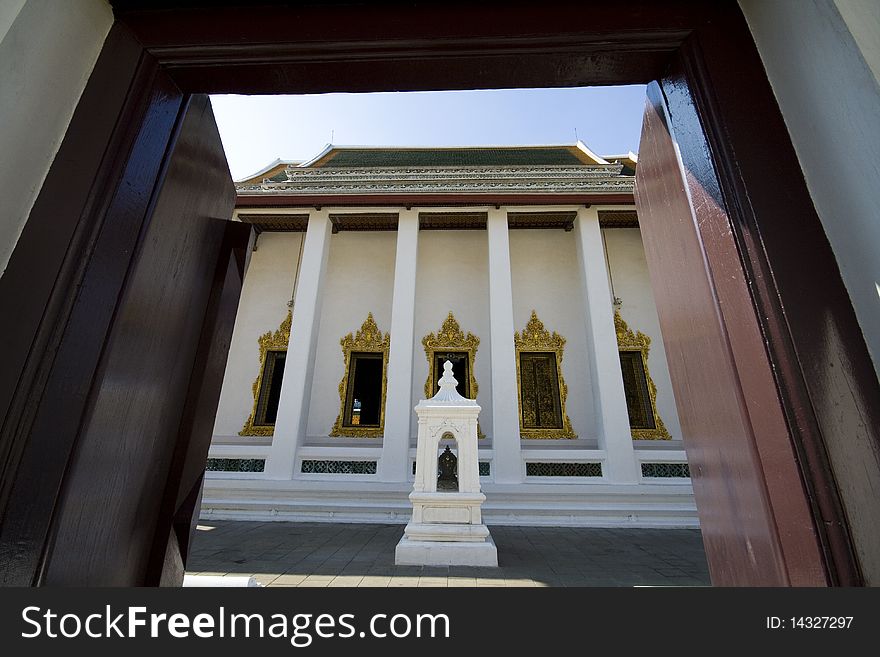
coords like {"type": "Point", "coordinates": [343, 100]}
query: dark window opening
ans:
{"type": "Point", "coordinates": [460, 370]}
{"type": "Point", "coordinates": [270, 388]}
{"type": "Point", "coordinates": [635, 385]}
{"type": "Point", "coordinates": [539, 391]}
{"type": "Point", "coordinates": [363, 404]}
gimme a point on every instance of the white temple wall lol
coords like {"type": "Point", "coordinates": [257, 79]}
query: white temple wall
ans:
{"type": "Point", "coordinates": [462, 257]}
{"type": "Point", "coordinates": [452, 274]}
{"type": "Point", "coordinates": [544, 275]}
{"type": "Point", "coordinates": [268, 286]}
{"type": "Point", "coordinates": [359, 280]}
{"type": "Point", "coordinates": [632, 285]}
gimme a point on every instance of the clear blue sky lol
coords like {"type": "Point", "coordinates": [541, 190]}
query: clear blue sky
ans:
{"type": "Point", "coordinates": [258, 129]}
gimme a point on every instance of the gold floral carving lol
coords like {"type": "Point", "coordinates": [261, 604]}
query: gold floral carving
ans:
{"type": "Point", "coordinates": [535, 338]}
{"type": "Point", "coordinates": [629, 340]}
{"type": "Point", "coordinates": [269, 341]}
{"type": "Point", "coordinates": [369, 339]}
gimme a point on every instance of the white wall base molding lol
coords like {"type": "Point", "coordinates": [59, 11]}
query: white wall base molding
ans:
{"type": "Point", "coordinates": [643, 505]}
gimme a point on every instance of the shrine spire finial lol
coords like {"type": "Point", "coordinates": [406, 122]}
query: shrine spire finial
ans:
{"type": "Point", "coordinates": [448, 381]}
{"type": "Point", "coordinates": [448, 394]}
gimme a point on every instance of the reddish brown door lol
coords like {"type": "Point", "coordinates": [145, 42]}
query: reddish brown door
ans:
{"type": "Point", "coordinates": [121, 508]}
{"type": "Point", "coordinates": [754, 511]}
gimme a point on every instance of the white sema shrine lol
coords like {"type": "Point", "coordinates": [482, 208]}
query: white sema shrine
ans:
{"type": "Point", "coordinates": [447, 527]}
{"type": "Point", "coordinates": [523, 267]}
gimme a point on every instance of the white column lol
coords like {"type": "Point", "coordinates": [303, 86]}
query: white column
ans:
{"type": "Point", "coordinates": [612, 419]}
{"type": "Point", "coordinates": [507, 463]}
{"type": "Point", "coordinates": [296, 385]}
{"type": "Point", "coordinates": [398, 403]}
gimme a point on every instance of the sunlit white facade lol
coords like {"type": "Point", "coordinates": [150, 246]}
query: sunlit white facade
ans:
{"type": "Point", "coordinates": [524, 264]}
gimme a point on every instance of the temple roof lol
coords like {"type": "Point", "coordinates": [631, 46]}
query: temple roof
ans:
{"type": "Point", "coordinates": [454, 157]}
{"type": "Point", "coordinates": [374, 170]}
{"type": "Point", "coordinates": [364, 157]}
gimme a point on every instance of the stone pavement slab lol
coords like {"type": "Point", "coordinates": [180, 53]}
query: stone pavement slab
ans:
{"type": "Point", "coordinates": [362, 555]}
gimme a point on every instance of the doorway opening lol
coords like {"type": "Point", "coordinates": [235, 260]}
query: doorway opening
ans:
{"type": "Point", "coordinates": [425, 265]}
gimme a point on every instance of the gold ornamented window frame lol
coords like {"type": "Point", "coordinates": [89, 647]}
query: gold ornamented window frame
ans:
{"type": "Point", "coordinates": [450, 337]}
{"type": "Point", "coordinates": [535, 338]}
{"type": "Point", "coordinates": [629, 340]}
{"type": "Point", "coordinates": [270, 341]}
{"type": "Point", "coordinates": [367, 339]}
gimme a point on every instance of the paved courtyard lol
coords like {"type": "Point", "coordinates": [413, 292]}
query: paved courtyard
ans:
{"type": "Point", "coordinates": [325, 554]}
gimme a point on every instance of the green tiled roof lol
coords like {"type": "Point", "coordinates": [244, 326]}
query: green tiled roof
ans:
{"type": "Point", "coordinates": [451, 157]}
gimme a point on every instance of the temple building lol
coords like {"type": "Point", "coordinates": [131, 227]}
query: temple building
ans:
{"type": "Point", "coordinates": [523, 266]}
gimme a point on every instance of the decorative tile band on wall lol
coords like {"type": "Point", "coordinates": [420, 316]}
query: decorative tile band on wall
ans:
{"type": "Point", "coordinates": [555, 469]}
{"type": "Point", "coordinates": [339, 467]}
{"type": "Point", "coordinates": [485, 469]}
{"type": "Point", "coordinates": [235, 465]}
{"type": "Point", "coordinates": [666, 470]}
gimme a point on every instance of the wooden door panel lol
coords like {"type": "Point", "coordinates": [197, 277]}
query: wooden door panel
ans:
{"type": "Point", "coordinates": [754, 513]}
{"type": "Point", "coordinates": [152, 373]}
{"type": "Point", "coordinates": [181, 501]}
{"type": "Point", "coordinates": [77, 306]}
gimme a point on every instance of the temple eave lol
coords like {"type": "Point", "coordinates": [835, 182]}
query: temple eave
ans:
{"type": "Point", "coordinates": [244, 200]}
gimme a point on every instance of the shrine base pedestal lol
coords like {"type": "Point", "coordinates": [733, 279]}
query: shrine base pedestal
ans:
{"type": "Point", "coordinates": [446, 553]}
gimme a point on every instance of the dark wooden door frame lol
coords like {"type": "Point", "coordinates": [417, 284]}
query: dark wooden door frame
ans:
{"type": "Point", "coordinates": [722, 110]}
